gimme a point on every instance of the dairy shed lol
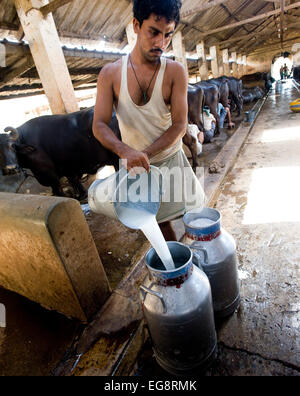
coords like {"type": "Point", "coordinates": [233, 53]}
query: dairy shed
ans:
{"type": "Point", "coordinates": [70, 278]}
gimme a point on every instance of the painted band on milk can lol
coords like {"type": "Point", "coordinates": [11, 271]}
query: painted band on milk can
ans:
{"type": "Point", "coordinates": [217, 251]}
{"type": "Point", "coordinates": [177, 307]}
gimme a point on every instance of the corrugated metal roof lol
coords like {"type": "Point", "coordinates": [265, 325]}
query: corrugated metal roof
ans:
{"type": "Point", "coordinates": [89, 21]}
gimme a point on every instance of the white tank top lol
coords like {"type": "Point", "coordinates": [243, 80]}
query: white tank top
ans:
{"type": "Point", "coordinates": [140, 126]}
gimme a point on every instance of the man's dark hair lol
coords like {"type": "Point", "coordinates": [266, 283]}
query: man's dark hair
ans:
{"type": "Point", "coordinates": [170, 9]}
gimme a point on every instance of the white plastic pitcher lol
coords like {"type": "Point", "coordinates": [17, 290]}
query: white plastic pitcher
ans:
{"type": "Point", "coordinates": [127, 198]}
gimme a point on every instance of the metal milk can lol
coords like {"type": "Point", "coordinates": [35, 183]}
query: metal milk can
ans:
{"type": "Point", "coordinates": [177, 307]}
{"type": "Point", "coordinates": [219, 261]}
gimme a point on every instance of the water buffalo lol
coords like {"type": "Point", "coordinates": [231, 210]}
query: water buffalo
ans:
{"type": "Point", "coordinates": [251, 94]}
{"type": "Point", "coordinates": [296, 73]}
{"type": "Point", "coordinates": [223, 90]}
{"type": "Point", "coordinates": [211, 99]}
{"type": "Point", "coordinates": [55, 146]}
{"type": "Point", "coordinates": [235, 86]}
{"type": "Point", "coordinates": [263, 80]}
{"type": "Point", "coordinates": [195, 105]}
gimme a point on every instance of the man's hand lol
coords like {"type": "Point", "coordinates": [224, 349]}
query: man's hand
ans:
{"type": "Point", "coordinates": [201, 137]}
{"type": "Point", "coordinates": [135, 159]}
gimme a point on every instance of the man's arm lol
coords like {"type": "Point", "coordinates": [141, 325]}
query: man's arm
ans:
{"type": "Point", "coordinates": [179, 112]}
{"type": "Point", "coordinates": [102, 117]}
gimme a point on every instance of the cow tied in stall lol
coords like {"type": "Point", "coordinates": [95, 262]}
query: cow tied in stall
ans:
{"type": "Point", "coordinates": [57, 146]}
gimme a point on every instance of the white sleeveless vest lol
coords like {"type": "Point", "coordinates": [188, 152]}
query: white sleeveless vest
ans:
{"type": "Point", "coordinates": [140, 126]}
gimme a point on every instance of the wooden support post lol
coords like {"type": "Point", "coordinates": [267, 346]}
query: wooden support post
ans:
{"type": "Point", "coordinates": [203, 68]}
{"type": "Point", "coordinates": [2, 55]}
{"type": "Point", "coordinates": [239, 66]}
{"type": "Point", "coordinates": [226, 66]}
{"type": "Point", "coordinates": [244, 64]}
{"type": "Point", "coordinates": [48, 56]}
{"type": "Point", "coordinates": [179, 49]}
{"type": "Point", "coordinates": [234, 64]}
{"type": "Point", "coordinates": [131, 36]}
{"type": "Point", "coordinates": [214, 53]}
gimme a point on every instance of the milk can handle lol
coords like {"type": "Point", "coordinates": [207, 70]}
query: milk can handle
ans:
{"type": "Point", "coordinates": [197, 247]}
{"type": "Point", "coordinates": [144, 290]}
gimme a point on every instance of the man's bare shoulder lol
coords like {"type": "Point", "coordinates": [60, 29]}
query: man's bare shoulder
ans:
{"type": "Point", "coordinates": [175, 70]}
{"type": "Point", "coordinates": [110, 70]}
{"type": "Point", "coordinates": [175, 66]}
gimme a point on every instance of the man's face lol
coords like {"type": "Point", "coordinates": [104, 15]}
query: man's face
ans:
{"type": "Point", "coordinates": [154, 36]}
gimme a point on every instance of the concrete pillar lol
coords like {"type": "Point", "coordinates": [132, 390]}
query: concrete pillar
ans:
{"type": "Point", "coordinates": [203, 67]}
{"type": "Point", "coordinates": [214, 53]}
{"type": "Point", "coordinates": [131, 36]}
{"type": "Point", "coordinates": [234, 64]}
{"type": "Point", "coordinates": [48, 255]}
{"type": "Point", "coordinates": [48, 56]}
{"type": "Point", "coordinates": [179, 49]}
{"type": "Point", "coordinates": [226, 66]}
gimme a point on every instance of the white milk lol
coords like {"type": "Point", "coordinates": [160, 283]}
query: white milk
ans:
{"type": "Point", "coordinates": [201, 222]}
{"type": "Point", "coordinates": [154, 235]}
{"type": "Point", "coordinates": [134, 217]}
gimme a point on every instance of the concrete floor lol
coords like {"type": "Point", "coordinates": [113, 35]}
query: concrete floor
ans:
{"type": "Point", "coordinates": [35, 340]}
{"type": "Point", "coordinates": [259, 203]}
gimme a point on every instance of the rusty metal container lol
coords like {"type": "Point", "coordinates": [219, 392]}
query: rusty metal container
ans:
{"type": "Point", "coordinates": [177, 307]}
{"type": "Point", "coordinates": [218, 257]}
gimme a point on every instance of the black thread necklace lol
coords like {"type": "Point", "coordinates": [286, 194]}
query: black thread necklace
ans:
{"type": "Point", "coordinates": [145, 93]}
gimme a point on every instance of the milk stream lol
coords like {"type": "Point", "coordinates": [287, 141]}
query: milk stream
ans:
{"type": "Point", "coordinates": [134, 217]}
{"type": "Point", "coordinates": [153, 233]}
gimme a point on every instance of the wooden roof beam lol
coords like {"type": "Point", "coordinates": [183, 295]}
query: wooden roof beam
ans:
{"type": "Point", "coordinates": [202, 7]}
{"type": "Point", "coordinates": [25, 65]}
{"type": "Point", "coordinates": [243, 37]}
{"type": "Point", "coordinates": [54, 5]}
{"type": "Point", "coordinates": [263, 49]}
{"type": "Point", "coordinates": [8, 26]}
{"type": "Point", "coordinates": [282, 27]}
{"type": "Point", "coordinates": [233, 16]}
{"type": "Point", "coordinates": [253, 19]}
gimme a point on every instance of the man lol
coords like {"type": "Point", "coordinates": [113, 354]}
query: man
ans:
{"type": "Point", "coordinates": [149, 94]}
{"type": "Point", "coordinates": [224, 112]}
{"type": "Point", "coordinates": [285, 71]}
{"type": "Point", "coordinates": [209, 123]}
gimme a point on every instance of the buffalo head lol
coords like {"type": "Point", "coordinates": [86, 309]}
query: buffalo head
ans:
{"type": "Point", "coordinates": [9, 164]}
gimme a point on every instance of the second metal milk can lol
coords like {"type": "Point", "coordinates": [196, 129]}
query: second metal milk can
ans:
{"type": "Point", "coordinates": [217, 247]}
{"type": "Point", "coordinates": [177, 307]}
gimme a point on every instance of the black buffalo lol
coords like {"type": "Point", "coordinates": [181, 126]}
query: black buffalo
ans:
{"type": "Point", "coordinates": [235, 86]}
{"type": "Point", "coordinates": [195, 105]}
{"type": "Point", "coordinates": [57, 146]}
{"type": "Point", "coordinates": [252, 94]}
{"type": "Point", "coordinates": [223, 90]}
{"type": "Point", "coordinates": [211, 99]}
{"type": "Point", "coordinates": [263, 80]}
{"type": "Point", "coordinates": [296, 73]}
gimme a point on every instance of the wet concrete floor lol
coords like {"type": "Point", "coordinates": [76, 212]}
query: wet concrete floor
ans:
{"type": "Point", "coordinates": [35, 339]}
{"type": "Point", "coordinates": [259, 203]}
